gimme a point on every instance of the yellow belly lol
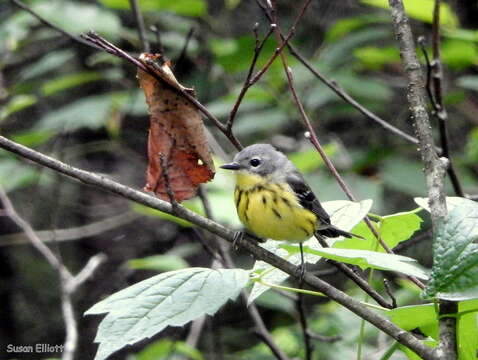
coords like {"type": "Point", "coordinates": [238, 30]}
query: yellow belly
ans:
{"type": "Point", "coordinates": [272, 212]}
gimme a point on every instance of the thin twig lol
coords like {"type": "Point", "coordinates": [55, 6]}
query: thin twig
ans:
{"type": "Point", "coordinates": [159, 43]}
{"type": "Point", "coordinates": [434, 166]}
{"type": "Point", "coordinates": [78, 39]}
{"type": "Point", "coordinates": [388, 289]}
{"type": "Point", "coordinates": [247, 83]}
{"type": "Point", "coordinates": [404, 337]}
{"type": "Point", "coordinates": [114, 50]}
{"type": "Point", "coordinates": [73, 233]}
{"type": "Point", "coordinates": [312, 136]}
{"type": "Point", "coordinates": [184, 50]}
{"type": "Point", "coordinates": [140, 25]}
{"type": "Point", "coordinates": [335, 87]}
{"type": "Point", "coordinates": [356, 278]}
{"type": "Point", "coordinates": [260, 328]}
{"type": "Point", "coordinates": [167, 184]}
{"type": "Point", "coordinates": [303, 325]}
{"type": "Point", "coordinates": [440, 112]}
{"type": "Point", "coordinates": [68, 283]}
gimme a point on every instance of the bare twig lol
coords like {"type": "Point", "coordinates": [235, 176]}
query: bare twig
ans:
{"type": "Point", "coordinates": [381, 322]}
{"type": "Point", "coordinates": [73, 233]}
{"type": "Point", "coordinates": [114, 50]}
{"type": "Point", "coordinates": [165, 172]}
{"type": "Point", "coordinates": [247, 83]}
{"type": "Point", "coordinates": [434, 166]}
{"type": "Point", "coordinates": [68, 283]}
{"type": "Point", "coordinates": [309, 348]}
{"type": "Point", "coordinates": [312, 136]}
{"type": "Point", "coordinates": [335, 87]}
{"type": "Point", "coordinates": [159, 43]}
{"type": "Point", "coordinates": [184, 50]}
{"type": "Point", "coordinates": [78, 39]}
{"type": "Point", "coordinates": [260, 327]}
{"type": "Point", "coordinates": [356, 278]}
{"type": "Point", "coordinates": [140, 25]}
{"type": "Point", "coordinates": [389, 291]}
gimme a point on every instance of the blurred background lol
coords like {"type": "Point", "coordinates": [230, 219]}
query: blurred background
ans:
{"type": "Point", "coordinates": [85, 108]}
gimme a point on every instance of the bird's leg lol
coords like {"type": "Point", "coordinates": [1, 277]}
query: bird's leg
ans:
{"type": "Point", "coordinates": [239, 235]}
{"type": "Point", "coordinates": [302, 266]}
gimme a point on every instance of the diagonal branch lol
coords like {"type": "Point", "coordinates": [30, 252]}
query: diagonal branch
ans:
{"type": "Point", "coordinates": [378, 320]}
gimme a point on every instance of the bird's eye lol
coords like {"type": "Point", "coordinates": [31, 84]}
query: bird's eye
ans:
{"type": "Point", "coordinates": [255, 162]}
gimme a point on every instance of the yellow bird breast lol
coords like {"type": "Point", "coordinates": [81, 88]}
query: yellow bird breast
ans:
{"type": "Point", "coordinates": [272, 211]}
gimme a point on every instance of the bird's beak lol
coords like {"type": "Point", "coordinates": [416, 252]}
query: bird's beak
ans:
{"type": "Point", "coordinates": [231, 166]}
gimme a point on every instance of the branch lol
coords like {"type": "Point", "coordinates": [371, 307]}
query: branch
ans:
{"type": "Point", "coordinates": [73, 233]}
{"type": "Point", "coordinates": [68, 283]}
{"type": "Point", "coordinates": [434, 166]}
{"type": "Point", "coordinates": [259, 253]}
{"type": "Point", "coordinates": [140, 25]}
{"type": "Point", "coordinates": [335, 87]}
{"type": "Point", "coordinates": [315, 141]}
{"type": "Point", "coordinates": [105, 45]}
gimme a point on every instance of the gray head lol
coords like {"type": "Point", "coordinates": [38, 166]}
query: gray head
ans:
{"type": "Point", "coordinates": [260, 159]}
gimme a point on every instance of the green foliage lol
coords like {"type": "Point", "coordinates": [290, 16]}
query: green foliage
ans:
{"type": "Point", "coordinates": [343, 214]}
{"type": "Point", "coordinates": [166, 262]}
{"type": "Point", "coordinates": [17, 103]}
{"type": "Point", "coordinates": [165, 349]}
{"type": "Point", "coordinates": [393, 229]}
{"type": "Point", "coordinates": [375, 58]}
{"type": "Point", "coordinates": [454, 273]}
{"type": "Point", "coordinates": [366, 259]}
{"type": "Point", "coordinates": [181, 7]}
{"type": "Point", "coordinates": [421, 10]}
{"type": "Point", "coordinates": [169, 299]}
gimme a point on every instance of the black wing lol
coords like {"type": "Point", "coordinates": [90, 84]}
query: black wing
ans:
{"type": "Point", "coordinates": [306, 197]}
{"type": "Point", "coordinates": [309, 201]}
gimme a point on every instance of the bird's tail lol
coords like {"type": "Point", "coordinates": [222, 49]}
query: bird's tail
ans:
{"type": "Point", "coordinates": [331, 231]}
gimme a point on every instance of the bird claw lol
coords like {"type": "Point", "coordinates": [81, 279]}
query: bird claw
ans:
{"type": "Point", "coordinates": [236, 239]}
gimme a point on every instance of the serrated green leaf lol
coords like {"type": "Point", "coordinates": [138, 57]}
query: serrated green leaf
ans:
{"type": "Point", "coordinates": [370, 259]}
{"type": "Point", "coordinates": [169, 299]}
{"type": "Point", "coordinates": [343, 214]}
{"type": "Point", "coordinates": [455, 255]}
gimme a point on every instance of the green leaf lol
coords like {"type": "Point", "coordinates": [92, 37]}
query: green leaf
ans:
{"type": "Point", "coordinates": [90, 112]}
{"type": "Point", "coordinates": [366, 259]}
{"type": "Point", "coordinates": [469, 82]}
{"type": "Point", "coordinates": [393, 229]}
{"type": "Point", "coordinates": [343, 214]}
{"type": "Point", "coordinates": [411, 317]}
{"type": "Point", "coordinates": [17, 103]}
{"type": "Point", "coordinates": [308, 160]}
{"type": "Point", "coordinates": [79, 17]}
{"type": "Point", "coordinates": [467, 328]}
{"type": "Point", "coordinates": [49, 62]}
{"type": "Point", "coordinates": [68, 81]}
{"type": "Point", "coordinates": [180, 7]}
{"type": "Point", "coordinates": [454, 273]}
{"type": "Point", "coordinates": [169, 299]}
{"type": "Point", "coordinates": [15, 174]}
{"type": "Point", "coordinates": [165, 349]}
{"type": "Point", "coordinates": [375, 58]}
{"type": "Point", "coordinates": [421, 10]}
{"type": "Point", "coordinates": [161, 263]}
{"type": "Point", "coordinates": [345, 26]}
{"type": "Point", "coordinates": [459, 54]}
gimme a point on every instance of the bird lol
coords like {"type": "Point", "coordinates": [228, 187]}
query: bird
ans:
{"type": "Point", "coordinates": [273, 200]}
